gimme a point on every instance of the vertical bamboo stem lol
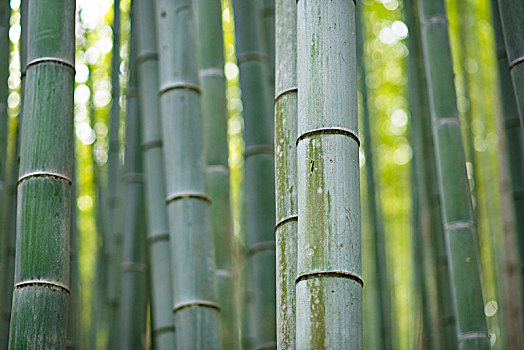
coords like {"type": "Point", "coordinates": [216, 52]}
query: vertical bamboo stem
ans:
{"type": "Point", "coordinates": [196, 310]}
{"type": "Point", "coordinates": [163, 329]}
{"type": "Point", "coordinates": [514, 137]}
{"type": "Point", "coordinates": [259, 169]}
{"type": "Point", "coordinates": [134, 296]}
{"type": "Point", "coordinates": [512, 19]}
{"type": "Point", "coordinates": [41, 289]}
{"type": "Point", "coordinates": [457, 213]}
{"type": "Point", "coordinates": [329, 269]}
{"type": "Point", "coordinates": [286, 110]}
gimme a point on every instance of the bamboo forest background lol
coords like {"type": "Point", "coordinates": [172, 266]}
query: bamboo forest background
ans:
{"type": "Point", "coordinates": [388, 142]}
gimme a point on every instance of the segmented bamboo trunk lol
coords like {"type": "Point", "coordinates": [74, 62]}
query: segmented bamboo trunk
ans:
{"type": "Point", "coordinates": [286, 110]}
{"type": "Point", "coordinates": [385, 340]}
{"type": "Point", "coordinates": [112, 221]}
{"type": "Point", "coordinates": [329, 270]}
{"type": "Point", "coordinates": [41, 289]}
{"type": "Point", "coordinates": [5, 170]}
{"type": "Point", "coordinates": [454, 192]}
{"type": "Point", "coordinates": [514, 137]}
{"type": "Point", "coordinates": [430, 220]}
{"type": "Point", "coordinates": [196, 310]}
{"type": "Point", "coordinates": [259, 170]}
{"type": "Point", "coordinates": [512, 19]}
{"type": "Point", "coordinates": [214, 113]}
{"type": "Point", "coordinates": [163, 329]}
{"type": "Point", "coordinates": [134, 295]}
{"type": "Point", "coordinates": [72, 322]}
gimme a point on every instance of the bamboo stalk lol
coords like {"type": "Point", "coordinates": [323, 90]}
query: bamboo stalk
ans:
{"type": "Point", "coordinates": [72, 322]}
{"type": "Point", "coordinates": [5, 176]}
{"type": "Point", "coordinates": [514, 243]}
{"type": "Point", "coordinates": [134, 292]}
{"type": "Point", "coordinates": [435, 258]}
{"type": "Point", "coordinates": [158, 233]}
{"type": "Point", "coordinates": [329, 270]}
{"type": "Point", "coordinates": [214, 113]}
{"type": "Point", "coordinates": [112, 221]}
{"type": "Point", "coordinates": [41, 289]}
{"type": "Point", "coordinates": [259, 170]}
{"type": "Point", "coordinates": [196, 310]}
{"type": "Point", "coordinates": [512, 19]}
{"type": "Point", "coordinates": [267, 21]}
{"type": "Point", "coordinates": [457, 213]}
{"type": "Point", "coordinates": [384, 299]}
{"type": "Point", "coordinates": [286, 110]}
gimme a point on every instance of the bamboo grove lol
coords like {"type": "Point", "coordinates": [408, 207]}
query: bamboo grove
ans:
{"type": "Point", "coordinates": [261, 174]}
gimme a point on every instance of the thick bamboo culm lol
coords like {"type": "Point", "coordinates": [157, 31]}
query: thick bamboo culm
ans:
{"type": "Point", "coordinates": [161, 286]}
{"type": "Point", "coordinates": [196, 308]}
{"type": "Point", "coordinates": [266, 16]}
{"type": "Point", "coordinates": [6, 175]}
{"type": "Point", "coordinates": [385, 341]}
{"type": "Point", "coordinates": [286, 109]}
{"type": "Point", "coordinates": [133, 269]}
{"type": "Point", "coordinates": [214, 113]}
{"type": "Point", "coordinates": [44, 185]}
{"type": "Point", "coordinates": [514, 136]}
{"type": "Point", "coordinates": [259, 170]}
{"type": "Point", "coordinates": [112, 221]}
{"type": "Point", "coordinates": [457, 212]}
{"type": "Point", "coordinates": [437, 273]}
{"type": "Point", "coordinates": [329, 268]}
{"type": "Point", "coordinates": [512, 18]}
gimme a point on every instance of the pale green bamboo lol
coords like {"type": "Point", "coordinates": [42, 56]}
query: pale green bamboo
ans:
{"type": "Point", "coordinates": [329, 269]}
{"type": "Point", "coordinates": [133, 271]}
{"type": "Point", "coordinates": [112, 221]}
{"type": "Point", "coordinates": [286, 110]}
{"type": "Point", "coordinates": [214, 113]}
{"type": "Point", "coordinates": [5, 283]}
{"type": "Point", "coordinates": [259, 170]}
{"type": "Point", "coordinates": [384, 319]}
{"type": "Point", "coordinates": [512, 19]}
{"type": "Point", "coordinates": [41, 289]}
{"type": "Point", "coordinates": [514, 136]}
{"type": "Point", "coordinates": [196, 310]}
{"type": "Point", "coordinates": [457, 213]}
{"type": "Point", "coordinates": [436, 262]}
{"type": "Point", "coordinates": [163, 329]}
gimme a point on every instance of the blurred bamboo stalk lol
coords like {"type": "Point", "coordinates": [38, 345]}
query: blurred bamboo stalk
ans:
{"type": "Point", "coordinates": [259, 169]}
{"type": "Point", "coordinates": [459, 225]}
{"type": "Point", "coordinates": [214, 113]}
{"type": "Point", "coordinates": [161, 285]}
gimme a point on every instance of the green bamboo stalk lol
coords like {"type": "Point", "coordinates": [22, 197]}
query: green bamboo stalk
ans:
{"type": "Point", "coordinates": [512, 19]}
{"type": "Point", "coordinates": [329, 270]}
{"type": "Point", "coordinates": [158, 233]}
{"type": "Point", "coordinates": [457, 213]}
{"type": "Point", "coordinates": [112, 223]}
{"type": "Point", "coordinates": [41, 289]}
{"type": "Point", "coordinates": [385, 340]}
{"type": "Point", "coordinates": [214, 113]}
{"type": "Point", "coordinates": [267, 21]}
{"type": "Point", "coordinates": [72, 322]}
{"type": "Point", "coordinates": [259, 170]}
{"type": "Point", "coordinates": [286, 110]}
{"type": "Point", "coordinates": [5, 283]}
{"type": "Point", "coordinates": [514, 137]}
{"type": "Point", "coordinates": [443, 328]}
{"type": "Point", "coordinates": [134, 291]}
{"type": "Point", "coordinates": [196, 310]}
